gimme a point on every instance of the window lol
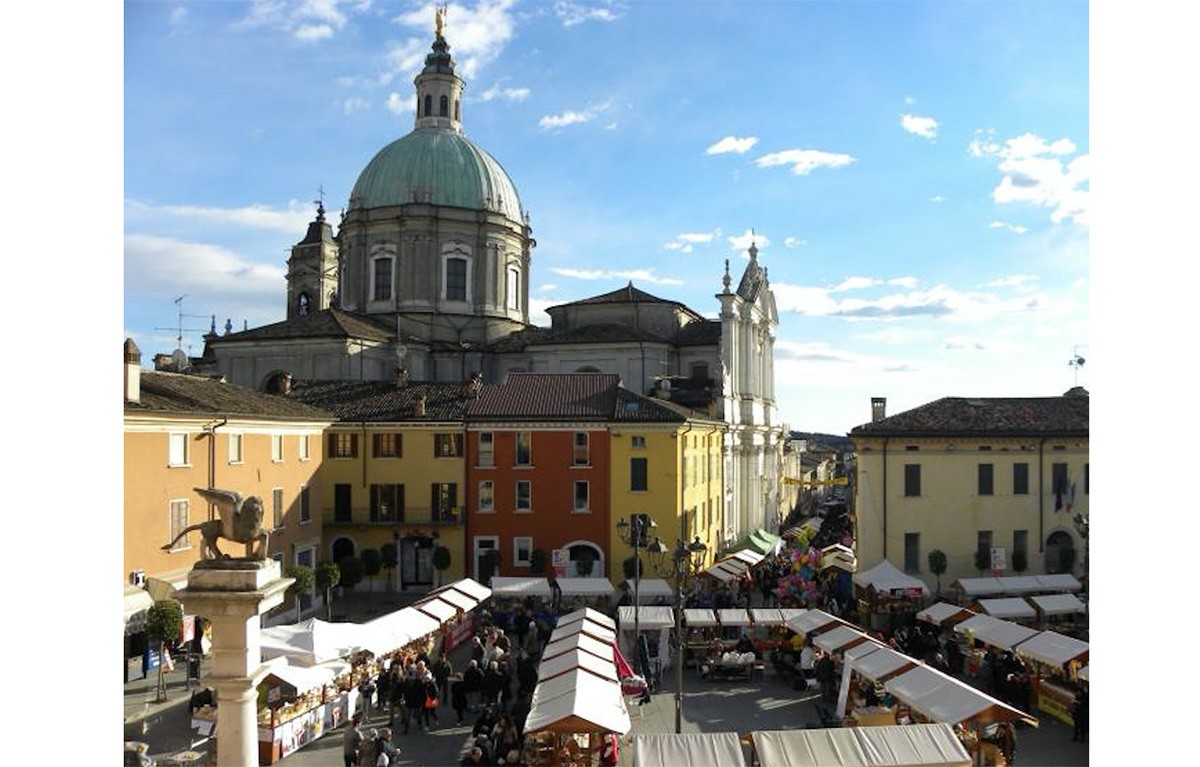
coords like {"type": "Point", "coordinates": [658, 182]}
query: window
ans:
{"type": "Point", "coordinates": [580, 457]}
{"type": "Point", "coordinates": [387, 503]}
{"type": "Point", "coordinates": [1020, 479]}
{"type": "Point", "coordinates": [487, 449]}
{"type": "Point", "coordinates": [581, 497]}
{"type": "Point", "coordinates": [912, 479]}
{"type": "Point", "coordinates": [387, 445]}
{"type": "Point", "coordinates": [637, 442]}
{"type": "Point", "coordinates": [638, 480]}
{"type": "Point", "coordinates": [444, 501]}
{"type": "Point", "coordinates": [1021, 541]}
{"type": "Point", "coordinates": [343, 445]}
{"type": "Point", "coordinates": [177, 450]}
{"type": "Point", "coordinates": [235, 448]}
{"type": "Point", "coordinates": [302, 447]}
{"type": "Point", "coordinates": [487, 501]}
{"type": "Point", "coordinates": [984, 542]}
{"type": "Point", "coordinates": [514, 288]}
{"type": "Point", "coordinates": [456, 279]}
{"type": "Point", "coordinates": [700, 371]}
{"type": "Point", "coordinates": [522, 551]}
{"type": "Point", "coordinates": [382, 279]}
{"type": "Point", "coordinates": [524, 496]}
{"type": "Point", "coordinates": [985, 479]}
{"type": "Point", "coordinates": [456, 117]}
{"type": "Point", "coordinates": [179, 521]}
{"type": "Point", "coordinates": [276, 447]}
{"type": "Point", "coordinates": [447, 445]}
{"type": "Point", "coordinates": [428, 105]}
{"type": "Point", "coordinates": [277, 507]}
{"type": "Point", "coordinates": [524, 449]}
{"type": "Point", "coordinates": [912, 552]}
{"type": "Point", "coordinates": [342, 495]}
{"type": "Point", "coordinates": [1058, 478]}
{"type": "Point", "coordinates": [305, 509]}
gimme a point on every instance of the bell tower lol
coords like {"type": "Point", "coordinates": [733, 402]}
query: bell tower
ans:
{"type": "Point", "coordinates": [312, 273]}
{"type": "Point", "coordinates": [439, 89]}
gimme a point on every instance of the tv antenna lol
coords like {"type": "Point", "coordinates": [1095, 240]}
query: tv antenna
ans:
{"type": "Point", "coordinates": [179, 328]}
{"type": "Point", "coordinates": [1077, 361]}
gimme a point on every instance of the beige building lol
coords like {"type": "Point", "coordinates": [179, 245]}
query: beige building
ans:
{"type": "Point", "coordinates": [1008, 476]}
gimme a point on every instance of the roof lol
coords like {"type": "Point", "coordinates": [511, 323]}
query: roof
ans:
{"type": "Point", "coordinates": [991, 416]}
{"type": "Point", "coordinates": [626, 295]}
{"type": "Point", "coordinates": [319, 230]}
{"type": "Point", "coordinates": [697, 749]}
{"type": "Point", "coordinates": [187, 394]}
{"type": "Point", "coordinates": [548, 396]}
{"type": "Point", "coordinates": [928, 745]}
{"type": "Point", "coordinates": [753, 278]}
{"type": "Point", "coordinates": [327, 323]}
{"type": "Point", "coordinates": [700, 333]}
{"type": "Point", "coordinates": [631, 407]}
{"type": "Point", "coordinates": [384, 401]}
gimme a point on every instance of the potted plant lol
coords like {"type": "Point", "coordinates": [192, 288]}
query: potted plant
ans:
{"type": "Point", "coordinates": [441, 561]}
{"type": "Point", "coordinates": [304, 581]}
{"type": "Point", "coordinates": [937, 566]}
{"type": "Point", "coordinates": [164, 622]}
{"type": "Point", "coordinates": [372, 565]}
{"type": "Point", "coordinates": [391, 560]}
{"type": "Point", "coordinates": [327, 575]}
{"type": "Point", "coordinates": [352, 570]}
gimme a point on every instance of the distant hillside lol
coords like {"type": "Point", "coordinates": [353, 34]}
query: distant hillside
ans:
{"type": "Point", "coordinates": [824, 442]}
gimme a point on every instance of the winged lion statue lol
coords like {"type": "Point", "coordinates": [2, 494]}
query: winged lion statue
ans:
{"type": "Point", "coordinates": [241, 521]}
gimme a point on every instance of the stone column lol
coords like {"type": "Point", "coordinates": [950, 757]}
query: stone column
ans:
{"type": "Point", "coordinates": [233, 594]}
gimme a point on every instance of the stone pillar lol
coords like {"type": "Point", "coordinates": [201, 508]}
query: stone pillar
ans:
{"type": "Point", "coordinates": [233, 594]}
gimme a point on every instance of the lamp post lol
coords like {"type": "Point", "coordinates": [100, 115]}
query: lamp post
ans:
{"type": "Point", "coordinates": [633, 533]}
{"type": "Point", "coordinates": [685, 560]}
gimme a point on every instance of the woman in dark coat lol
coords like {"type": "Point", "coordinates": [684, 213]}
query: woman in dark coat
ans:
{"type": "Point", "coordinates": [458, 696]}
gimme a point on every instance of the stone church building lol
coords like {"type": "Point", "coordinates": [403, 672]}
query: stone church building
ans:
{"type": "Point", "coordinates": [427, 278]}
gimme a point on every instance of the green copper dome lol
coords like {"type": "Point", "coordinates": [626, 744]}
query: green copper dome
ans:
{"type": "Point", "coordinates": [439, 167]}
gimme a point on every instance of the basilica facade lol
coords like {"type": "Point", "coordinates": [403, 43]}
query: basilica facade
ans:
{"type": "Point", "coordinates": [427, 279]}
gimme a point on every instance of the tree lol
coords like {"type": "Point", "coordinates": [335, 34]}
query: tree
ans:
{"type": "Point", "coordinates": [441, 561]}
{"type": "Point", "coordinates": [372, 563]}
{"type": "Point", "coordinates": [537, 562]}
{"type": "Point", "coordinates": [164, 622]}
{"type": "Point", "coordinates": [353, 570]}
{"type": "Point", "coordinates": [937, 566]}
{"type": "Point", "coordinates": [1020, 561]}
{"type": "Point", "coordinates": [983, 560]}
{"type": "Point", "coordinates": [305, 580]}
{"type": "Point", "coordinates": [391, 560]}
{"type": "Point", "coordinates": [328, 575]}
{"type": "Point", "coordinates": [489, 565]}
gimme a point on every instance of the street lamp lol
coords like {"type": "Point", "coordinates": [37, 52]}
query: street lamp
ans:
{"type": "Point", "coordinates": [686, 560]}
{"type": "Point", "coordinates": [633, 533]}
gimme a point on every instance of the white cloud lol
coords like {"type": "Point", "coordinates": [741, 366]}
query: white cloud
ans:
{"type": "Point", "coordinates": [804, 161]}
{"type": "Point", "coordinates": [633, 275]}
{"type": "Point", "coordinates": [1011, 281]}
{"type": "Point", "coordinates": [477, 35]}
{"type": "Point", "coordinates": [1015, 228]}
{"type": "Point", "coordinates": [549, 286]}
{"type": "Point", "coordinates": [682, 247]}
{"type": "Point", "coordinates": [909, 100]}
{"type": "Point", "coordinates": [903, 282]}
{"type": "Point", "coordinates": [355, 104]}
{"type": "Point", "coordinates": [398, 105]}
{"type": "Point", "coordinates": [925, 127]}
{"type": "Point", "coordinates": [294, 219]}
{"type": "Point", "coordinates": [307, 20]}
{"type": "Point", "coordinates": [1034, 173]}
{"type": "Point", "coordinates": [176, 18]}
{"type": "Point", "coordinates": [854, 283]}
{"type": "Point", "coordinates": [161, 265]}
{"type": "Point", "coordinates": [508, 94]}
{"type": "Point", "coordinates": [732, 144]}
{"type": "Point", "coordinates": [743, 241]}
{"type": "Point", "coordinates": [793, 242]}
{"type": "Point", "coordinates": [684, 242]}
{"type": "Point", "coordinates": [310, 32]}
{"type": "Point", "coordinates": [938, 303]}
{"type": "Point", "coordinates": [572, 14]}
{"type": "Point", "coordinates": [937, 198]}
{"type": "Point", "coordinates": [571, 117]}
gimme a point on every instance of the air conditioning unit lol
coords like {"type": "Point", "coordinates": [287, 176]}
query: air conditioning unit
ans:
{"type": "Point", "coordinates": [138, 578]}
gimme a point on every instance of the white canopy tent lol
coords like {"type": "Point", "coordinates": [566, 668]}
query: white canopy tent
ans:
{"type": "Point", "coordinates": [594, 630]}
{"type": "Point", "coordinates": [1058, 604]}
{"type": "Point", "coordinates": [577, 701]}
{"type": "Point", "coordinates": [976, 587]}
{"type": "Point", "coordinates": [1061, 582]}
{"type": "Point", "coordinates": [696, 617]}
{"type": "Point", "coordinates": [464, 602]}
{"type": "Point", "coordinates": [941, 612]}
{"type": "Point", "coordinates": [727, 570]}
{"type": "Point", "coordinates": [394, 630]}
{"type": "Point", "coordinates": [304, 678]}
{"type": "Point", "coordinates": [838, 639]}
{"type": "Point", "coordinates": [561, 664]}
{"type": "Point", "coordinates": [578, 641]}
{"type": "Point", "coordinates": [468, 586]}
{"type": "Point", "coordinates": [945, 699]}
{"type": "Point", "coordinates": [587, 613]}
{"type": "Point", "coordinates": [747, 556]}
{"type": "Point", "coordinates": [876, 662]}
{"type": "Point", "coordinates": [1017, 585]}
{"type": "Point", "coordinates": [914, 745]}
{"type": "Point", "coordinates": [510, 587]}
{"type": "Point", "coordinates": [766, 616]}
{"type": "Point", "coordinates": [789, 613]}
{"type": "Point", "coordinates": [651, 618]}
{"type": "Point", "coordinates": [975, 624]}
{"type": "Point", "coordinates": [651, 590]}
{"type": "Point", "coordinates": [1005, 635]}
{"type": "Point", "coordinates": [437, 608]}
{"type": "Point", "coordinates": [839, 556]}
{"type": "Point", "coordinates": [1053, 649]}
{"type": "Point", "coordinates": [696, 749]}
{"type": "Point", "coordinates": [312, 641]}
{"type": "Point", "coordinates": [813, 621]}
{"type": "Point", "coordinates": [733, 616]}
{"type": "Point", "coordinates": [586, 587]}
{"type": "Point", "coordinates": [1007, 607]}
{"type": "Point", "coordinates": [887, 578]}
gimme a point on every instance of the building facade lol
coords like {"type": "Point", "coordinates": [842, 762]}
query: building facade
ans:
{"type": "Point", "coordinates": [1004, 480]}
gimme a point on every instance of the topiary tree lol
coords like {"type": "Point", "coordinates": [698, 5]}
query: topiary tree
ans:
{"type": "Point", "coordinates": [164, 622]}
{"type": "Point", "coordinates": [440, 561]}
{"type": "Point", "coordinates": [537, 562]}
{"type": "Point", "coordinates": [391, 560]}
{"type": "Point", "coordinates": [306, 578]}
{"type": "Point", "coordinates": [983, 560]}
{"type": "Point", "coordinates": [372, 564]}
{"type": "Point", "coordinates": [488, 566]}
{"type": "Point", "coordinates": [1020, 561]}
{"type": "Point", "coordinates": [328, 575]}
{"type": "Point", "coordinates": [353, 570]}
{"type": "Point", "coordinates": [937, 566]}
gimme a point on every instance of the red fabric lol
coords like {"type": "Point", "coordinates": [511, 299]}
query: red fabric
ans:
{"type": "Point", "coordinates": [623, 667]}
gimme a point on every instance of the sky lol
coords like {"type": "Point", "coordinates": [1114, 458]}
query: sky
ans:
{"type": "Point", "coordinates": [915, 174]}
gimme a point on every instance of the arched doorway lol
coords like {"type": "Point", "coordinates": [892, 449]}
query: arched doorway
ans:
{"type": "Point", "coordinates": [416, 561]}
{"type": "Point", "coordinates": [341, 548]}
{"type": "Point", "coordinates": [587, 560]}
{"type": "Point", "coordinates": [1060, 552]}
{"type": "Point", "coordinates": [277, 383]}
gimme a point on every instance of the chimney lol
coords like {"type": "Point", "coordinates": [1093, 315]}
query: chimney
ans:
{"type": "Point", "coordinates": [419, 405]}
{"type": "Point", "coordinates": [401, 377]}
{"type": "Point", "coordinates": [133, 372]}
{"type": "Point", "coordinates": [878, 408]}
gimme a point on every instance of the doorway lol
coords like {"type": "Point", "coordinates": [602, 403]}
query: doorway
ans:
{"type": "Point", "coordinates": [416, 561]}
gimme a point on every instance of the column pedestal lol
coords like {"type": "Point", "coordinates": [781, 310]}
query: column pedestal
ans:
{"type": "Point", "coordinates": [233, 594]}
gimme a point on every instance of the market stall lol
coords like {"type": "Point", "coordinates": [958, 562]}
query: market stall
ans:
{"type": "Point", "coordinates": [581, 592]}
{"type": "Point", "coordinates": [517, 588]}
{"type": "Point", "coordinates": [701, 629]}
{"type": "Point", "coordinates": [655, 623]}
{"type": "Point", "coordinates": [734, 621]}
{"type": "Point", "coordinates": [577, 641]}
{"type": "Point", "coordinates": [1005, 608]}
{"type": "Point", "coordinates": [840, 638]}
{"type": "Point", "coordinates": [1053, 657]}
{"type": "Point", "coordinates": [924, 745]}
{"type": "Point", "coordinates": [884, 589]}
{"type": "Point", "coordinates": [1004, 635]}
{"type": "Point", "coordinates": [588, 614]}
{"type": "Point", "coordinates": [696, 749]}
{"type": "Point", "coordinates": [312, 641]}
{"type": "Point", "coordinates": [594, 630]}
{"type": "Point", "coordinates": [577, 658]}
{"type": "Point", "coordinates": [397, 629]}
{"type": "Point", "coordinates": [971, 589]}
{"type": "Point", "coordinates": [944, 614]}
{"type": "Point", "coordinates": [769, 630]}
{"type": "Point", "coordinates": [868, 663]}
{"type": "Point", "coordinates": [650, 591]}
{"type": "Point", "coordinates": [938, 697]}
{"type": "Point", "coordinates": [1062, 612]}
{"type": "Point", "coordinates": [577, 708]}
{"type": "Point", "coordinates": [840, 557]}
{"type": "Point", "coordinates": [814, 622]}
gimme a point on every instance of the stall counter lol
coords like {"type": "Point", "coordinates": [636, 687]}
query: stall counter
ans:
{"type": "Point", "coordinates": [1055, 700]}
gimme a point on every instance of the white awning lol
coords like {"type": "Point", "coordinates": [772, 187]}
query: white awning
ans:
{"type": "Point", "coordinates": [1004, 635]}
{"type": "Point", "coordinates": [696, 749]}
{"type": "Point", "coordinates": [587, 613]}
{"type": "Point", "coordinates": [1008, 607]}
{"type": "Point", "coordinates": [650, 590]}
{"type": "Point", "coordinates": [1058, 604]}
{"type": "Point", "coordinates": [747, 556]}
{"type": "Point", "coordinates": [561, 664]}
{"type": "Point", "coordinates": [1052, 648]}
{"type": "Point", "coordinates": [726, 570]}
{"type": "Point", "coordinates": [302, 678]}
{"type": "Point", "coordinates": [839, 638]}
{"type": "Point", "coordinates": [577, 701]}
{"type": "Point", "coordinates": [510, 587]}
{"type": "Point", "coordinates": [733, 617]}
{"type": "Point", "coordinates": [462, 601]}
{"type": "Point", "coordinates": [437, 608]}
{"type": "Point", "coordinates": [578, 641]}
{"type": "Point", "coordinates": [1060, 582]}
{"type": "Point", "coordinates": [913, 745]}
{"type": "Point", "coordinates": [470, 587]}
{"type": "Point", "coordinates": [881, 664]}
{"type": "Point", "coordinates": [813, 620]}
{"type": "Point", "coordinates": [766, 616]}
{"type": "Point", "coordinates": [313, 641]}
{"type": "Point", "coordinates": [976, 624]}
{"type": "Point", "coordinates": [651, 617]}
{"type": "Point", "coordinates": [696, 617]}
{"type": "Point", "coordinates": [137, 602]}
{"type": "Point", "coordinates": [586, 587]}
{"type": "Point", "coordinates": [888, 578]}
{"type": "Point", "coordinates": [942, 611]}
{"type": "Point", "coordinates": [789, 613]}
{"type": "Point", "coordinates": [594, 630]}
{"type": "Point", "coordinates": [397, 629]}
{"type": "Point", "coordinates": [945, 699]}
{"type": "Point", "coordinates": [973, 587]}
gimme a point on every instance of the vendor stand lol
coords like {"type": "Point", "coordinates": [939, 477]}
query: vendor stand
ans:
{"type": "Point", "coordinates": [702, 629]}
{"type": "Point", "coordinates": [588, 614]}
{"type": "Point", "coordinates": [650, 591]}
{"type": "Point", "coordinates": [577, 641]}
{"type": "Point", "coordinates": [577, 658]}
{"type": "Point", "coordinates": [1062, 612]}
{"type": "Point", "coordinates": [656, 624]}
{"type": "Point", "coordinates": [1052, 657]}
{"type": "Point", "coordinates": [579, 593]}
{"type": "Point", "coordinates": [695, 749]}
{"type": "Point", "coordinates": [884, 589]}
{"type": "Point", "coordinates": [925, 745]}
{"type": "Point", "coordinates": [875, 664]}
{"type": "Point", "coordinates": [769, 631]}
{"type": "Point", "coordinates": [594, 630]}
{"type": "Point", "coordinates": [734, 621]}
{"type": "Point", "coordinates": [571, 713]}
{"type": "Point", "coordinates": [1005, 608]}
{"type": "Point", "coordinates": [944, 614]}
{"type": "Point", "coordinates": [966, 633]}
{"type": "Point", "coordinates": [814, 622]}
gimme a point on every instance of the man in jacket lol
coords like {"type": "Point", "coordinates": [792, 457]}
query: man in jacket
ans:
{"type": "Point", "coordinates": [473, 682]}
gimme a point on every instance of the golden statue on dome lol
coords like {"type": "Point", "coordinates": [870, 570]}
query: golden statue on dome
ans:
{"type": "Point", "coordinates": [439, 18]}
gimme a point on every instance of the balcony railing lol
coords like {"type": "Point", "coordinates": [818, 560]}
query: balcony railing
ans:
{"type": "Point", "coordinates": [409, 515]}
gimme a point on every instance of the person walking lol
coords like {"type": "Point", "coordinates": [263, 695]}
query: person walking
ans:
{"type": "Point", "coordinates": [386, 753]}
{"type": "Point", "coordinates": [490, 688]}
{"type": "Point", "coordinates": [414, 700]}
{"type": "Point", "coordinates": [431, 703]}
{"type": "Point", "coordinates": [366, 694]}
{"type": "Point", "coordinates": [458, 696]}
{"type": "Point", "coordinates": [441, 672]}
{"type": "Point", "coordinates": [473, 681]}
{"type": "Point", "coordinates": [396, 694]}
{"type": "Point", "coordinates": [352, 740]}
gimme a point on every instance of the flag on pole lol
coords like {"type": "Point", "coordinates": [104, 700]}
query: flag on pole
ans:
{"type": "Point", "coordinates": [1071, 498]}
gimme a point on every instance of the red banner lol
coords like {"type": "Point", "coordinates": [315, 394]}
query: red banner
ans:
{"type": "Point", "coordinates": [459, 634]}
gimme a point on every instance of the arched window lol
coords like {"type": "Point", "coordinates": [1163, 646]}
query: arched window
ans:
{"type": "Point", "coordinates": [302, 304]}
{"type": "Point", "coordinates": [444, 107]}
{"type": "Point", "coordinates": [342, 548]}
{"type": "Point", "coordinates": [428, 105]}
{"type": "Point", "coordinates": [456, 117]}
{"type": "Point", "coordinates": [513, 288]}
{"type": "Point", "coordinates": [456, 279]}
{"type": "Point", "coordinates": [381, 280]}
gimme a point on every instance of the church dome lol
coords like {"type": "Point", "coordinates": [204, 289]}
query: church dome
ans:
{"type": "Point", "coordinates": [438, 167]}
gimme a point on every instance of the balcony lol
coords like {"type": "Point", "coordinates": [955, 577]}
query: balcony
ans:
{"type": "Point", "coordinates": [409, 515]}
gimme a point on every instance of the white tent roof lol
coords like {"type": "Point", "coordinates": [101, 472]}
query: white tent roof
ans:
{"type": "Point", "coordinates": [578, 641]}
{"type": "Point", "coordinates": [885, 576]}
{"type": "Point", "coordinates": [946, 699]}
{"type": "Point", "coordinates": [560, 664]}
{"type": "Point", "coordinates": [586, 587]}
{"type": "Point", "coordinates": [789, 613]}
{"type": "Point", "coordinates": [727, 570]}
{"type": "Point", "coordinates": [652, 617]}
{"type": "Point", "coordinates": [935, 614]}
{"type": "Point", "coordinates": [914, 745]}
{"type": "Point", "coordinates": [838, 638]}
{"type": "Point", "coordinates": [813, 620]}
{"type": "Point", "coordinates": [696, 617]}
{"type": "Point", "coordinates": [651, 589]}
{"type": "Point", "coordinates": [1007, 607]}
{"type": "Point", "coordinates": [880, 664]}
{"type": "Point", "coordinates": [594, 630]}
{"type": "Point", "coordinates": [766, 616]}
{"type": "Point", "coordinates": [975, 586]}
{"type": "Point", "coordinates": [1052, 648]}
{"type": "Point", "coordinates": [136, 600]}
{"type": "Point", "coordinates": [1060, 582]}
{"type": "Point", "coordinates": [394, 630]}
{"type": "Point", "coordinates": [509, 586]}
{"type": "Point", "coordinates": [731, 616]}
{"type": "Point", "coordinates": [303, 678]}
{"type": "Point", "coordinates": [1004, 635]}
{"type": "Point", "coordinates": [312, 641]}
{"type": "Point", "coordinates": [976, 623]}
{"type": "Point", "coordinates": [464, 602]}
{"type": "Point", "coordinates": [697, 749]}
{"type": "Point", "coordinates": [470, 587]}
{"type": "Point", "coordinates": [577, 701]}
{"type": "Point", "coordinates": [1019, 584]}
{"type": "Point", "coordinates": [1058, 604]}
{"type": "Point", "coordinates": [437, 608]}
{"type": "Point", "coordinates": [586, 613]}
{"type": "Point", "coordinates": [747, 556]}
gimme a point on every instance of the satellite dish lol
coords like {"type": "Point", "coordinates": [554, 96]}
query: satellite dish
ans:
{"type": "Point", "coordinates": [179, 360]}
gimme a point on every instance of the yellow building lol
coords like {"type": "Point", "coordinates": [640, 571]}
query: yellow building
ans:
{"type": "Point", "coordinates": [394, 473]}
{"type": "Point", "coordinates": [183, 432]}
{"type": "Point", "coordinates": [666, 464]}
{"type": "Point", "coordinates": [999, 475]}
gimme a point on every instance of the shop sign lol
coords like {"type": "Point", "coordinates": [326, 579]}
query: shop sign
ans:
{"type": "Point", "coordinates": [914, 592]}
{"type": "Point", "coordinates": [999, 561]}
{"type": "Point", "coordinates": [559, 558]}
{"type": "Point", "coordinates": [459, 632]}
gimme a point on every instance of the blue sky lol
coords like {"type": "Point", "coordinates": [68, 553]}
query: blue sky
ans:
{"type": "Point", "coordinates": [916, 175]}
